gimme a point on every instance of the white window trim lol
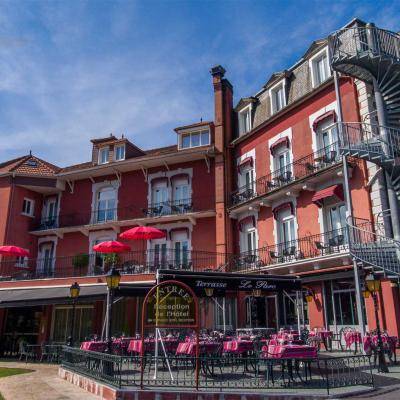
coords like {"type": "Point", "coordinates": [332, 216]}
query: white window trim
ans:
{"type": "Point", "coordinates": [272, 90]}
{"type": "Point", "coordinates": [96, 187]}
{"type": "Point", "coordinates": [313, 117]}
{"type": "Point", "coordinates": [246, 109]}
{"type": "Point", "coordinates": [311, 65]}
{"type": "Point", "coordinates": [286, 133]}
{"type": "Point", "coordinates": [32, 213]}
{"type": "Point", "coordinates": [115, 152]}
{"type": "Point", "coordinates": [190, 132]}
{"type": "Point", "coordinates": [243, 234]}
{"type": "Point", "coordinates": [99, 155]}
{"type": "Point", "coordinates": [276, 233]}
{"type": "Point", "coordinates": [251, 153]}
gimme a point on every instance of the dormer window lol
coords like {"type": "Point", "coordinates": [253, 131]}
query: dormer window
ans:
{"type": "Point", "coordinates": [103, 155]}
{"type": "Point", "coordinates": [278, 98]}
{"type": "Point", "coordinates": [319, 66]}
{"type": "Point", "coordinates": [119, 152]}
{"type": "Point", "coordinates": [244, 117]}
{"type": "Point", "coordinates": [194, 139]}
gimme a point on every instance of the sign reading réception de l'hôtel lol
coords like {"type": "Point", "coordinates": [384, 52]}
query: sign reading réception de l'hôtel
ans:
{"type": "Point", "coordinates": [171, 305]}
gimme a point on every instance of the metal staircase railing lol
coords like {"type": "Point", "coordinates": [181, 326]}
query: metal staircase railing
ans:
{"type": "Point", "coordinates": [360, 46]}
{"type": "Point", "coordinates": [375, 143]}
{"type": "Point", "coordinates": [373, 249]}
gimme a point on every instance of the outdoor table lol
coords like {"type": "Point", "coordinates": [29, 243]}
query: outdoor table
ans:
{"type": "Point", "coordinates": [99, 347]}
{"type": "Point", "coordinates": [351, 337]}
{"type": "Point", "coordinates": [389, 342]}
{"type": "Point", "coordinates": [120, 345]}
{"type": "Point", "coordinates": [238, 346]}
{"type": "Point", "coordinates": [135, 345]}
{"type": "Point", "coordinates": [325, 336]}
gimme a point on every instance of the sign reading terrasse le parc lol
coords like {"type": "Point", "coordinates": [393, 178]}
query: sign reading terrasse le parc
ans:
{"type": "Point", "coordinates": [171, 304]}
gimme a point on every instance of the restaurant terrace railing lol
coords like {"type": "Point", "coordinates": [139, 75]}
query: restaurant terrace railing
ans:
{"type": "Point", "coordinates": [130, 263]}
{"type": "Point", "coordinates": [220, 373]}
{"type": "Point", "coordinates": [313, 246]}
{"type": "Point", "coordinates": [299, 169]}
{"type": "Point", "coordinates": [101, 216]}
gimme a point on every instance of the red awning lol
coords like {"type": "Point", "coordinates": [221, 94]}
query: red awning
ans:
{"type": "Point", "coordinates": [246, 162]}
{"type": "Point", "coordinates": [250, 220]}
{"type": "Point", "coordinates": [323, 118]}
{"type": "Point", "coordinates": [331, 191]}
{"type": "Point", "coordinates": [280, 142]}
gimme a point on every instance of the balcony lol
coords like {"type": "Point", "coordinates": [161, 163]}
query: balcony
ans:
{"type": "Point", "coordinates": [306, 167]}
{"type": "Point", "coordinates": [304, 252]}
{"type": "Point", "coordinates": [196, 207]}
{"type": "Point", "coordinates": [131, 263]}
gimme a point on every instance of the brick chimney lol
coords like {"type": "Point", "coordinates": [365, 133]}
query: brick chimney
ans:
{"type": "Point", "coordinates": [223, 112]}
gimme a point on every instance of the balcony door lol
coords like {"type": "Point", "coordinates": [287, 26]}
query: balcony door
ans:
{"type": "Point", "coordinates": [286, 229]}
{"type": "Point", "coordinates": [50, 213]}
{"type": "Point", "coordinates": [106, 203]}
{"type": "Point", "coordinates": [45, 264]}
{"type": "Point", "coordinates": [159, 198]}
{"type": "Point", "coordinates": [159, 254]}
{"type": "Point", "coordinates": [282, 165]}
{"type": "Point", "coordinates": [328, 140]}
{"type": "Point", "coordinates": [336, 222]}
{"type": "Point", "coordinates": [181, 254]}
{"type": "Point", "coordinates": [180, 195]}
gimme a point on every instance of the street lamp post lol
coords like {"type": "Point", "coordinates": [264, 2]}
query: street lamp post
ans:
{"type": "Point", "coordinates": [373, 286]}
{"type": "Point", "coordinates": [74, 294]}
{"type": "Point", "coordinates": [112, 278]}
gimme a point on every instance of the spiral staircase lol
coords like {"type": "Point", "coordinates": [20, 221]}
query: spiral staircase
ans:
{"type": "Point", "coordinates": [370, 54]}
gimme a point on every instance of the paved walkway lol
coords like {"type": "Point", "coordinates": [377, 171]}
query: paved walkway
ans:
{"type": "Point", "coordinates": [41, 384]}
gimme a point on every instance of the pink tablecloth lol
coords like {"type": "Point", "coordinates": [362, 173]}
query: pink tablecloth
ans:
{"type": "Point", "coordinates": [94, 346]}
{"type": "Point", "coordinates": [135, 345]}
{"type": "Point", "coordinates": [189, 348]}
{"type": "Point", "coordinates": [323, 334]}
{"type": "Point", "coordinates": [289, 351]}
{"type": "Point", "coordinates": [352, 337]}
{"type": "Point", "coordinates": [369, 342]}
{"type": "Point", "coordinates": [238, 346]}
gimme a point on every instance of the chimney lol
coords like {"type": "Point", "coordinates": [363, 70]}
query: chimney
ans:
{"type": "Point", "coordinates": [223, 109]}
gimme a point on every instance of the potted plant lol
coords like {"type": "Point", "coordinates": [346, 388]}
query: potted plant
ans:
{"type": "Point", "coordinates": [111, 259]}
{"type": "Point", "coordinates": [80, 261]}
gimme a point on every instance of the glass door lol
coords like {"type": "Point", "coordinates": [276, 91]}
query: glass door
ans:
{"type": "Point", "coordinates": [181, 254]}
{"type": "Point", "coordinates": [160, 255]}
{"type": "Point", "coordinates": [159, 199]}
{"type": "Point", "coordinates": [45, 263]}
{"type": "Point", "coordinates": [337, 224]}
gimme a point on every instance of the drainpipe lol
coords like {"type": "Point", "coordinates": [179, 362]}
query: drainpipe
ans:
{"type": "Point", "coordinates": [349, 207]}
{"type": "Point", "coordinates": [390, 197]}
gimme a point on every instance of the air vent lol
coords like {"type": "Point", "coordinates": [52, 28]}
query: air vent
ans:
{"type": "Point", "coordinates": [31, 163]}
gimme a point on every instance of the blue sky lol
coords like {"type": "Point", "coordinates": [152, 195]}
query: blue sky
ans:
{"type": "Point", "coordinates": [74, 70]}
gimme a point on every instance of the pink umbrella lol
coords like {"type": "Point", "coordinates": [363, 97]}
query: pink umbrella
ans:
{"type": "Point", "coordinates": [111, 246]}
{"type": "Point", "coordinates": [13, 251]}
{"type": "Point", "coordinates": [142, 233]}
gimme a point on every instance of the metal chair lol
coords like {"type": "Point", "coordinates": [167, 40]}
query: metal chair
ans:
{"type": "Point", "coordinates": [26, 351]}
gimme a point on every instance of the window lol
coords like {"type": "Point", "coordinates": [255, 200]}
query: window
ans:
{"type": "Point", "coordinates": [320, 68]}
{"type": "Point", "coordinates": [103, 155]}
{"type": "Point", "coordinates": [160, 254]}
{"type": "Point", "coordinates": [181, 195]}
{"type": "Point", "coordinates": [248, 239]}
{"type": "Point", "coordinates": [286, 232]}
{"type": "Point", "coordinates": [335, 216]}
{"type": "Point", "coordinates": [45, 261]}
{"type": "Point", "coordinates": [62, 323]}
{"type": "Point", "coordinates": [282, 165]}
{"type": "Point", "coordinates": [21, 262]}
{"type": "Point", "coordinates": [229, 309]}
{"type": "Point", "coordinates": [119, 152]}
{"type": "Point", "coordinates": [159, 194]}
{"type": "Point", "coordinates": [244, 121]}
{"type": "Point", "coordinates": [106, 203]}
{"type": "Point", "coordinates": [194, 139]}
{"type": "Point", "coordinates": [327, 139]}
{"type": "Point", "coordinates": [181, 250]}
{"type": "Point", "coordinates": [278, 98]}
{"type": "Point", "coordinates": [27, 207]}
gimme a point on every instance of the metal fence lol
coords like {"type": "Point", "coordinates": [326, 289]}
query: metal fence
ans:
{"type": "Point", "coordinates": [220, 372]}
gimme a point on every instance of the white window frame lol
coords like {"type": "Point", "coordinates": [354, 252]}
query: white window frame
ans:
{"type": "Point", "coordinates": [313, 67]}
{"type": "Point", "coordinates": [119, 146]}
{"type": "Point", "coordinates": [272, 93]}
{"type": "Point", "coordinates": [101, 150]}
{"type": "Point", "coordinates": [31, 209]}
{"type": "Point", "coordinates": [190, 134]}
{"type": "Point", "coordinates": [282, 150]}
{"type": "Point", "coordinates": [244, 127]}
{"type": "Point", "coordinates": [244, 238]}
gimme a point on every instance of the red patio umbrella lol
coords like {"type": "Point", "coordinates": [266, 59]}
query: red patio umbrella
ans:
{"type": "Point", "coordinates": [111, 246]}
{"type": "Point", "coordinates": [142, 233]}
{"type": "Point", "coordinates": [13, 251]}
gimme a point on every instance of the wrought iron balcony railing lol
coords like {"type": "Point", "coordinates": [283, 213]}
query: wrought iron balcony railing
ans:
{"type": "Point", "coordinates": [130, 263]}
{"type": "Point", "coordinates": [313, 246]}
{"type": "Point", "coordinates": [299, 169]}
{"type": "Point", "coordinates": [101, 216]}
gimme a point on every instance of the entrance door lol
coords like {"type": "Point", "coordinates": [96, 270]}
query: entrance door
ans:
{"type": "Point", "coordinates": [272, 320]}
{"type": "Point", "coordinates": [256, 312]}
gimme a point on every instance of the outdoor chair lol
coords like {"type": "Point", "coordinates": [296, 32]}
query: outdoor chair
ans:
{"type": "Point", "coordinates": [26, 351]}
{"type": "Point", "coordinates": [289, 251]}
{"type": "Point", "coordinates": [329, 158]}
{"type": "Point", "coordinates": [277, 258]}
{"type": "Point", "coordinates": [322, 248]}
{"type": "Point", "coordinates": [310, 167]}
{"type": "Point", "coordinates": [338, 338]}
{"type": "Point", "coordinates": [336, 241]}
{"type": "Point", "coordinates": [271, 185]}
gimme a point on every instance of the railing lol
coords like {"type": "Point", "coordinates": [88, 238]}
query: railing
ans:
{"type": "Point", "coordinates": [101, 216]}
{"type": "Point", "coordinates": [131, 263]}
{"type": "Point", "coordinates": [360, 41]}
{"type": "Point", "coordinates": [323, 244]}
{"type": "Point", "coordinates": [299, 169]}
{"type": "Point", "coordinates": [372, 248]}
{"type": "Point", "coordinates": [374, 139]}
{"type": "Point", "coordinates": [219, 372]}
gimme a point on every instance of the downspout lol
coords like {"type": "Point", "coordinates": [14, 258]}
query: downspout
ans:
{"type": "Point", "coordinates": [349, 206]}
